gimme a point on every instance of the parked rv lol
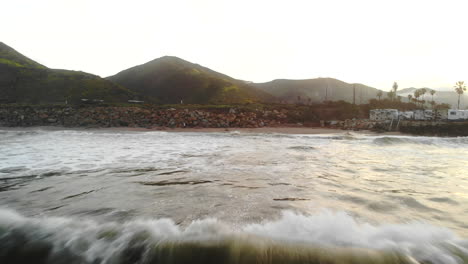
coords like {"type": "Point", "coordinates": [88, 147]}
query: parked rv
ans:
{"type": "Point", "coordinates": [418, 114]}
{"type": "Point", "coordinates": [383, 114]}
{"type": "Point", "coordinates": [406, 115]}
{"type": "Point", "coordinates": [456, 114]}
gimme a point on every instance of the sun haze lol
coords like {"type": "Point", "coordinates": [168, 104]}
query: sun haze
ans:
{"type": "Point", "coordinates": [417, 43]}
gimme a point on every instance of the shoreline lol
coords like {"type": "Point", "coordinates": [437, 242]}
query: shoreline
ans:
{"type": "Point", "coordinates": [260, 130]}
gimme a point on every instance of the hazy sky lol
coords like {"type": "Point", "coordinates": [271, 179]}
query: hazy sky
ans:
{"type": "Point", "coordinates": [416, 43]}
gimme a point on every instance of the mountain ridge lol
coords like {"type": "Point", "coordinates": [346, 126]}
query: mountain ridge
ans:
{"type": "Point", "coordinates": [170, 79]}
{"type": "Point", "coordinates": [22, 80]}
{"type": "Point", "coordinates": [318, 90]}
{"type": "Point", "coordinates": [10, 56]}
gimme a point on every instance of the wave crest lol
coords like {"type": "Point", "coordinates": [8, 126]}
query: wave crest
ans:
{"type": "Point", "coordinates": [326, 237]}
{"type": "Point", "coordinates": [398, 140]}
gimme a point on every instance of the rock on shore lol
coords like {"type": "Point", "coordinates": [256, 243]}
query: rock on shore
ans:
{"type": "Point", "coordinates": [137, 117]}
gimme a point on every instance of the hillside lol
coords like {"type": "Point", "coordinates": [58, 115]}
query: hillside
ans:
{"type": "Point", "coordinates": [23, 80]}
{"type": "Point", "coordinates": [318, 90]}
{"type": "Point", "coordinates": [170, 79]}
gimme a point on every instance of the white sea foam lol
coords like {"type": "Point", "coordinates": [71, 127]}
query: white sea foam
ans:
{"type": "Point", "coordinates": [417, 239]}
{"type": "Point", "coordinates": [93, 240]}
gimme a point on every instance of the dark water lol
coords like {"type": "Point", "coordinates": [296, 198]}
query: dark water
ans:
{"type": "Point", "coordinates": [86, 196]}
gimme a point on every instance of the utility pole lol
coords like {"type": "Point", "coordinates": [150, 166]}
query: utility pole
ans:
{"type": "Point", "coordinates": [354, 94]}
{"type": "Point", "coordinates": [326, 91]}
{"type": "Point", "coordinates": [360, 96]}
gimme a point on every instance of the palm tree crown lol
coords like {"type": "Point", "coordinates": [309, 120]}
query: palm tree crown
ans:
{"type": "Point", "coordinates": [379, 94]}
{"type": "Point", "coordinates": [460, 88]}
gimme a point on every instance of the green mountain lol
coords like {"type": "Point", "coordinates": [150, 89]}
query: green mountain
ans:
{"type": "Point", "coordinates": [171, 80]}
{"type": "Point", "coordinates": [23, 80]}
{"type": "Point", "coordinates": [318, 90]}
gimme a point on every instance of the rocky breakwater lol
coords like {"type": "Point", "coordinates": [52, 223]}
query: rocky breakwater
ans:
{"type": "Point", "coordinates": [23, 116]}
{"type": "Point", "coordinates": [435, 128]}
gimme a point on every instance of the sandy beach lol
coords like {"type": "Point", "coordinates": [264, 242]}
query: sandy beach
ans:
{"type": "Point", "coordinates": [264, 130]}
{"type": "Point", "coordinates": [260, 130]}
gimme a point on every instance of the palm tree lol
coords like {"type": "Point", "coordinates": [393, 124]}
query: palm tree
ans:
{"type": "Point", "coordinates": [395, 87]}
{"type": "Point", "coordinates": [379, 94]}
{"type": "Point", "coordinates": [417, 93]}
{"type": "Point", "coordinates": [432, 92]}
{"type": "Point", "coordinates": [460, 88]}
{"type": "Point", "coordinates": [392, 94]}
{"type": "Point", "coordinates": [423, 92]}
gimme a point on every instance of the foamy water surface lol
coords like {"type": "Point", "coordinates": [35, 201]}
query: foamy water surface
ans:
{"type": "Point", "coordinates": [400, 194]}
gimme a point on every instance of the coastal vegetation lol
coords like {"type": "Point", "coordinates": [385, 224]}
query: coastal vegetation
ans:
{"type": "Point", "coordinates": [392, 95]}
{"type": "Point", "coordinates": [460, 88]}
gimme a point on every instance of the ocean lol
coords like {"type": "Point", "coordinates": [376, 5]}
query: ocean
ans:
{"type": "Point", "coordinates": [108, 196]}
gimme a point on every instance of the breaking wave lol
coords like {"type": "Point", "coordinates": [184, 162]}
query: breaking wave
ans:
{"type": "Point", "coordinates": [437, 141]}
{"type": "Point", "coordinates": [325, 237]}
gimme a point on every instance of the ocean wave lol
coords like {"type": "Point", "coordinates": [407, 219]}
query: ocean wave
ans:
{"type": "Point", "coordinates": [325, 237]}
{"type": "Point", "coordinates": [10, 133]}
{"type": "Point", "coordinates": [302, 148]}
{"type": "Point", "coordinates": [437, 141]}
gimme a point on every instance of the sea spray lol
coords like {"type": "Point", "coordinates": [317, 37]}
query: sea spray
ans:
{"type": "Point", "coordinates": [325, 237]}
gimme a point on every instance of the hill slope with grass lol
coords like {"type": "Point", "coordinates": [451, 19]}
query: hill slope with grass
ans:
{"type": "Point", "coordinates": [318, 90]}
{"type": "Point", "coordinates": [170, 80]}
{"type": "Point", "coordinates": [23, 80]}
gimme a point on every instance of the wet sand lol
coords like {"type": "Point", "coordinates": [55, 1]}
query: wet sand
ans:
{"type": "Point", "coordinates": [266, 130]}
{"type": "Point", "coordinates": [261, 130]}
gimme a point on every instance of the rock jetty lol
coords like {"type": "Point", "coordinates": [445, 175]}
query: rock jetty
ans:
{"type": "Point", "coordinates": [24, 116]}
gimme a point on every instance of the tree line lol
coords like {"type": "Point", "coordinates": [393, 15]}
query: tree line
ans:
{"type": "Point", "coordinates": [418, 96]}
